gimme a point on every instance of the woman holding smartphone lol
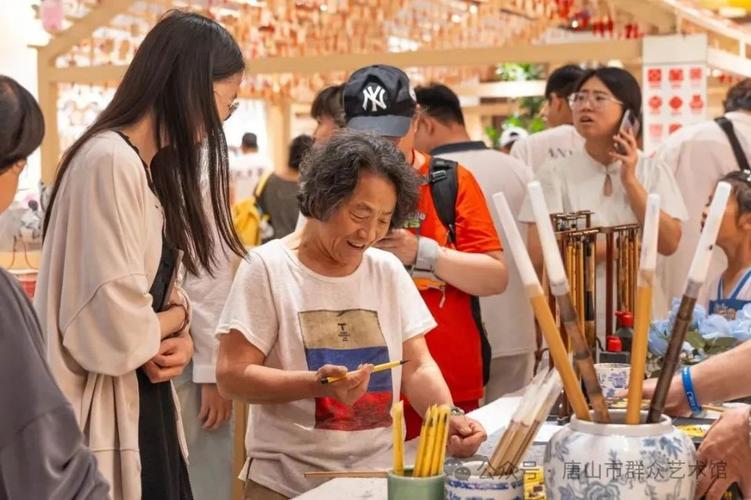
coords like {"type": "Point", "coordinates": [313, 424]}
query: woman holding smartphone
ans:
{"type": "Point", "coordinates": [126, 200]}
{"type": "Point", "coordinates": [609, 176]}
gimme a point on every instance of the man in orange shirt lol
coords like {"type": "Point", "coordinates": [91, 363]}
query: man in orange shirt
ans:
{"type": "Point", "coordinates": [450, 265]}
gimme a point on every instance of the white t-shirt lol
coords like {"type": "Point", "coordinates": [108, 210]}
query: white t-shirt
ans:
{"type": "Point", "coordinates": [550, 144]}
{"type": "Point", "coordinates": [246, 170]}
{"type": "Point", "coordinates": [207, 297]}
{"type": "Point", "coordinates": [698, 156]}
{"type": "Point", "coordinates": [576, 183]}
{"type": "Point", "coordinates": [302, 320]}
{"type": "Point", "coordinates": [507, 317]}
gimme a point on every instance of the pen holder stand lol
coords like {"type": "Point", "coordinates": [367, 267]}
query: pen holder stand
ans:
{"type": "Point", "coordinates": [592, 460]}
{"type": "Point", "coordinates": [407, 487]}
{"type": "Point", "coordinates": [467, 483]}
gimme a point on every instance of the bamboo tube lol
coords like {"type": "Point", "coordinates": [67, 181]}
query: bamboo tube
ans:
{"type": "Point", "coordinates": [542, 311]}
{"type": "Point", "coordinates": [647, 266]}
{"type": "Point", "coordinates": [397, 417]}
{"type": "Point", "coordinates": [696, 275]}
{"type": "Point", "coordinates": [560, 288]}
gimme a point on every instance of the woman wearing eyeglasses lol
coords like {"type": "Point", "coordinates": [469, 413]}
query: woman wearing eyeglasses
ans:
{"type": "Point", "coordinates": [126, 200]}
{"type": "Point", "coordinates": [609, 176]}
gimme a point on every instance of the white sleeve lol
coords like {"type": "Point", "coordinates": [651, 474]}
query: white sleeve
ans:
{"type": "Point", "coordinates": [521, 151]}
{"type": "Point", "coordinates": [550, 182]}
{"type": "Point", "coordinates": [415, 315]}
{"type": "Point", "coordinates": [659, 179]}
{"type": "Point", "coordinates": [207, 295]}
{"type": "Point", "coordinates": [250, 307]}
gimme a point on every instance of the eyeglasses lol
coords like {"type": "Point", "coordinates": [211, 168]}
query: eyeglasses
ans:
{"type": "Point", "coordinates": [231, 108]}
{"type": "Point", "coordinates": [597, 100]}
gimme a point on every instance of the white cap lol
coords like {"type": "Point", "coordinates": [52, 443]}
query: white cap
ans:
{"type": "Point", "coordinates": [511, 134]}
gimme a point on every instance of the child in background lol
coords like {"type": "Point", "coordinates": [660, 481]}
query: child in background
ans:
{"type": "Point", "coordinates": [733, 289]}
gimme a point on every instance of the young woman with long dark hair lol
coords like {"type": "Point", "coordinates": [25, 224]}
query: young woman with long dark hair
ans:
{"type": "Point", "coordinates": [127, 196]}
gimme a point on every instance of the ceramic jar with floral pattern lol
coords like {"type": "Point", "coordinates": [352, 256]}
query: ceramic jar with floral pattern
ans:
{"type": "Point", "coordinates": [590, 461]}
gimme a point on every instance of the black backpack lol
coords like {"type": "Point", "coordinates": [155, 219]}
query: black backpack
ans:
{"type": "Point", "coordinates": [444, 186]}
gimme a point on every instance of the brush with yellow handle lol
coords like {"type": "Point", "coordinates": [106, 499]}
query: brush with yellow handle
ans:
{"type": "Point", "coordinates": [376, 368]}
{"type": "Point", "coordinates": [645, 283]}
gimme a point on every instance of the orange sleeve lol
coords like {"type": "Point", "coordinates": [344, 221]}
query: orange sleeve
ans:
{"type": "Point", "coordinates": [475, 232]}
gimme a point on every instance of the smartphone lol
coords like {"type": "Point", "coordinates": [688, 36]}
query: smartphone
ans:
{"type": "Point", "coordinates": [175, 276]}
{"type": "Point", "coordinates": [629, 122]}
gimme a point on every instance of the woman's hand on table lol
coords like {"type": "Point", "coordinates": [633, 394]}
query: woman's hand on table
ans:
{"type": "Point", "coordinates": [465, 436]}
{"type": "Point", "coordinates": [725, 455]}
{"type": "Point", "coordinates": [174, 355]}
{"type": "Point", "coordinates": [349, 389]}
{"type": "Point", "coordinates": [629, 157]}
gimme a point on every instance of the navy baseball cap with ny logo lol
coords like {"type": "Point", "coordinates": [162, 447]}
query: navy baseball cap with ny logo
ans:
{"type": "Point", "coordinates": [379, 99]}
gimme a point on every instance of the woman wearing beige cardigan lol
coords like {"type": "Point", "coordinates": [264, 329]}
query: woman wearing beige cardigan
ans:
{"type": "Point", "coordinates": [125, 200]}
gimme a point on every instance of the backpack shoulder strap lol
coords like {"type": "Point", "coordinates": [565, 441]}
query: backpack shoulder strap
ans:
{"type": "Point", "coordinates": [444, 186]}
{"type": "Point", "coordinates": [262, 183]}
{"type": "Point", "coordinates": [727, 127]}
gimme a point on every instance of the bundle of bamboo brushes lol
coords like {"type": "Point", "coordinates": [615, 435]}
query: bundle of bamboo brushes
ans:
{"type": "Point", "coordinates": [431, 447]}
{"type": "Point", "coordinates": [526, 421]}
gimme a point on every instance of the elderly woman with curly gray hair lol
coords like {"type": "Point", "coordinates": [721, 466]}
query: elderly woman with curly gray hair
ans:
{"type": "Point", "coordinates": [323, 302]}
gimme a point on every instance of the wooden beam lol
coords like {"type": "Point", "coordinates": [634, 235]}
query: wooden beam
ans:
{"type": "Point", "coordinates": [529, 88]}
{"type": "Point", "coordinates": [697, 16]}
{"type": "Point", "coordinates": [730, 63]}
{"type": "Point", "coordinates": [624, 50]}
{"type": "Point", "coordinates": [96, 18]}
{"type": "Point", "coordinates": [88, 74]}
{"type": "Point", "coordinates": [48, 92]}
{"type": "Point", "coordinates": [490, 109]}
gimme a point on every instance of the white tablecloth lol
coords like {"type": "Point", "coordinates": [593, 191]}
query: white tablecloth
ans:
{"type": "Point", "coordinates": [493, 417]}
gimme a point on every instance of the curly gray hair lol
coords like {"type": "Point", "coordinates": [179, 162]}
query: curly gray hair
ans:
{"type": "Point", "coordinates": [330, 172]}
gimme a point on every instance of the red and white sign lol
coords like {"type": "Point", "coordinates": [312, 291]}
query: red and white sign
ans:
{"type": "Point", "coordinates": [675, 95]}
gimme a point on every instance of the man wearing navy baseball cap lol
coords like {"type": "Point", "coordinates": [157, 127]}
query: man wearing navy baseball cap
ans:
{"type": "Point", "coordinates": [450, 245]}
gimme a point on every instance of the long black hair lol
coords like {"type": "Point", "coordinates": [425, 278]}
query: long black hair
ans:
{"type": "Point", "coordinates": [172, 76]}
{"type": "Point", "coordinates": [21, 123]}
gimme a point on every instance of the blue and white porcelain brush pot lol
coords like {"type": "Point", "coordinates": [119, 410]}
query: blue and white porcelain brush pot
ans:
{"type": "Point", "coordinates": [591, 461]}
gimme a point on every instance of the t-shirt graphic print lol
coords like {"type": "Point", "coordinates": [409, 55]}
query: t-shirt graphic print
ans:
{"type": "Point", "coordinates": [348, 338]}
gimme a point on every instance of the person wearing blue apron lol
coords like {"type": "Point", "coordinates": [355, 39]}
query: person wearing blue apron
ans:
{"type": "Point", "coordinates": [729, 306]}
